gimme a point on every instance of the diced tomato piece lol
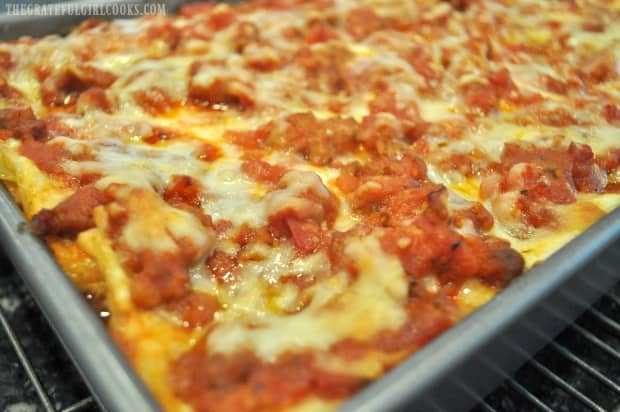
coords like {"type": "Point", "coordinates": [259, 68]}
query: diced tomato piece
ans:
{"type": "Point", "coordinates": [162, 278]}
{"type": "Point", "coordinates": [262, 171]}
{"type": "Point", "coordinates": [183, 189]}
{"type": "Point", "coordinates": [306, 235]}
{"type": "Point", "coordinates": [223, 266]}
{"type": "Point", "coordinates": [196, 309]}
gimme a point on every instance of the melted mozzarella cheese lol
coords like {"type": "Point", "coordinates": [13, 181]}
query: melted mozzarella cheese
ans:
{"type": "Point", "coordinates": [156, 226]}
{"type": "Point", "coordinates": [127, 162]}
{"type": "Point", "coordinates": [232, 195]}
{"type": "Point", "coordinates": [170, 75]}
{"type": "Point", "coordinates": [474, 294]}
{"type": "Point", "coordinates": [340, 308]}
{"type": "Point", "coordinates": [437, 110]}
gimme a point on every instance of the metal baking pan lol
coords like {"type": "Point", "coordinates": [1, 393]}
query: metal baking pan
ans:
{"type": "Point", "coordinates": [451, 373]}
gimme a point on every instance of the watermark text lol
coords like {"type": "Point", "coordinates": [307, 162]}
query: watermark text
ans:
{"type": "Point", "coordinates": [84, 9]}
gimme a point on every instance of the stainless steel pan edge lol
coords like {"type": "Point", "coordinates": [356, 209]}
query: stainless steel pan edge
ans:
{"type": "Point", "coordinates": [461, 366]}
{"type": "Point", "coordinates": [105, 370]}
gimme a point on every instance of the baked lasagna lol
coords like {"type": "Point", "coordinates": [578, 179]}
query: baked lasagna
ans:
{"type": "Point", "coordinates": [275, 202]}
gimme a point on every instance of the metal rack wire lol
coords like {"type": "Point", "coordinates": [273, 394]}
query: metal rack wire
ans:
{"type": "Point", "coordinates": [597, 333]}
{"type": "Point", "coordinates": [34, 351]}
{"type": "Point", "coordinates": [589, 349]}
{"type": "Point", "coordinates": [46, 403]}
